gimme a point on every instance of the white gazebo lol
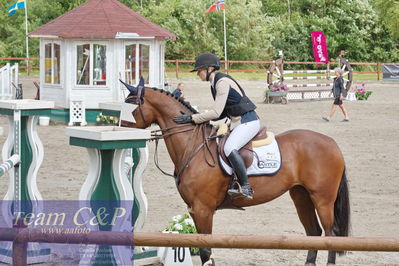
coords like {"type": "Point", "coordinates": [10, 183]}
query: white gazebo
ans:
{"type": "Point", "coordinates": [84, 53]}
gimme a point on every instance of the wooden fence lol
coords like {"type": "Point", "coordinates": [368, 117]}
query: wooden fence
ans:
{"type": "Point", "coordinates": [261, 66]}
{"type": "Point", "coordinates": [181, 65]}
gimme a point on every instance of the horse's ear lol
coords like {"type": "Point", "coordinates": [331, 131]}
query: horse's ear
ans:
{"type": "Point", "coordinates": [131, 88]}
{"type": "Point", "coordinates": [141, 82]}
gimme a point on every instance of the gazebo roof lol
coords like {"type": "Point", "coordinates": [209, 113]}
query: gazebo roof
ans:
{"type": "Point", "coordinates": [101, 19]}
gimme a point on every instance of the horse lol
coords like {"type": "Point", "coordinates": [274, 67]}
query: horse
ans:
{"type": "Point", "coordinates": [312, 170]}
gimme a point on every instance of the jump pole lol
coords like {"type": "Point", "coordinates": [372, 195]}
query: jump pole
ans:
{"type": "Point", "coordinates": [268, 242]}
{"type": "Point", "coordinates": [8, 164]}
{"type": "Point", "coordinates": [381, 244]}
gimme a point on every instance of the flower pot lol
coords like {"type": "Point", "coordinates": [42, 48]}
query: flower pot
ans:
{"type": "Point", "coordinates": [44, 120]}
{"type": "Point", "coordinates": [276, 97]}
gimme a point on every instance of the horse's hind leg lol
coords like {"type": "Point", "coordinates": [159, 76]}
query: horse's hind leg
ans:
{"type": "Point", "coordinates": [306, 212]}
{"type": "Point", "coordinates": [203, 219]}
{"type": "Point", "coordinates": [326, 214]}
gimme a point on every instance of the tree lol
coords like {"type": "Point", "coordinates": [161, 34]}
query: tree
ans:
{"type": "Point", "coordinates": [388, 11]}
{"type": "Point", "coordinates": [247, 29]}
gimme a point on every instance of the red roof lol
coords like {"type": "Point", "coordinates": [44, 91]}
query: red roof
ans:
{"type": "Point", "coordinates": [101, 19]}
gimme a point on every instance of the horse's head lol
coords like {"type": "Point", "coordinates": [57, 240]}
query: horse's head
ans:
{"type": "Point", "coordinates": [142, 114]}
{"type": "Point", "coordinates": [154, 106]}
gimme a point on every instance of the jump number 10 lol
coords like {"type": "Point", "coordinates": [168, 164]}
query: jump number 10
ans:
{"type": "Point", "coordinates": [179, 254]}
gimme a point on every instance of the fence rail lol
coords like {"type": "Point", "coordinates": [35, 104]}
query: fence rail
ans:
{"type": "Point", "coordinates": [228, 66]}
{"type": "Point", "coordinates": [261, 66]}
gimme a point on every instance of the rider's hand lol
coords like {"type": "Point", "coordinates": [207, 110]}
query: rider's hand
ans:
{"type": "Point", "coordinates": [183, 119]}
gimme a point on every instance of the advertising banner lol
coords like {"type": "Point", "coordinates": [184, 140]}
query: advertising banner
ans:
{"type": "Point", "coordinates": [320, 51]}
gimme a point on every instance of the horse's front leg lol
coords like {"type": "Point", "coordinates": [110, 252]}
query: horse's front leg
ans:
{"type": "Point", "coordinates": [203, 219]}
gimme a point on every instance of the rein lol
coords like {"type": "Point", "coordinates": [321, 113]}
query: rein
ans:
{"type": "Point", "coordinates": [162, 133]}
{"type": "Point", "coordinates": [187, 161]}
{"type": "Point", "coordinates": [155, 136]}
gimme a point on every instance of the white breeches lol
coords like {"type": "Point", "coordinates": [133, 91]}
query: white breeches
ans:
{"type": "Point", "coordinates": [241, 135]}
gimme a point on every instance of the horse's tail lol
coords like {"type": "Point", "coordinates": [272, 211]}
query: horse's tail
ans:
{"type": "Point", "coordinates": [341, 225]}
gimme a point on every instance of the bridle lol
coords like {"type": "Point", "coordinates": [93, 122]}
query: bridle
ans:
{"type": "Point", "coordinates": [187, 155]}
{"type": "Point", "coordinates": [158, 134]}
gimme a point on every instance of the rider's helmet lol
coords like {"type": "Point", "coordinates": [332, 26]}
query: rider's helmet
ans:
{"type": "Point", "coordinates": [206, 60]}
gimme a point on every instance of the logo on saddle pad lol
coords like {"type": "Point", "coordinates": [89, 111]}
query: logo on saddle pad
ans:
{"type": "Point", "coordinates": [266, 159]}
{"type": "Point", "coordinates": [272, 161]}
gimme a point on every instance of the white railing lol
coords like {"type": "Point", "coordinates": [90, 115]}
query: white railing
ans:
{"type": "Point", "coordinates": [8, 76]}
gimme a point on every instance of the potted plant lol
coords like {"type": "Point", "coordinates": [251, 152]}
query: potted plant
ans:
{"type": "Point", "coordinates": [277, 93]}
{"type": "Point", "coordinates": [106, 120]}
{"type": "Point", "coordinates": [185, 225]}
{"type": "Point", "coordinates": [362, 93]}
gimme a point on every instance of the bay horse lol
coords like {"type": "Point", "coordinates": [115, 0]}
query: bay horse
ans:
{"type": "Point", "coordinates": [313, 170]}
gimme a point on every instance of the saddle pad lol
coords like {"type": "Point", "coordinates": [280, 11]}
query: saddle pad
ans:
{"type": "Point", "coordinates": [267, 160]}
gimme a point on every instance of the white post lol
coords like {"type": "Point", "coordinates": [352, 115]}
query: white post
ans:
{"type": "Point", "coordinates": [26, 36]}
{"type": "Point", "coordinates": [225, 39]}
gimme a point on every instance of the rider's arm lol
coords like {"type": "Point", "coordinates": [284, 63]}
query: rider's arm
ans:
{"type": "Point", "coordinates": [222, 91]}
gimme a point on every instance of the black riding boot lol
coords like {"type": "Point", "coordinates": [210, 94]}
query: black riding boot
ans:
{"type": "Point", "coordinates": [240, 170]}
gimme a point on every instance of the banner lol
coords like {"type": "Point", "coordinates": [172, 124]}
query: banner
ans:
{"type": "Point", "coordinates": [319, 42]}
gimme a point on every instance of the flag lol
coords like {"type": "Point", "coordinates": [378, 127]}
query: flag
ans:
{"type": "Point", "coordinates": [18, 5]}
{"type": "Point", "coordinates": [218, 5]}
{"type": "Point", "coordinates": [320, 51]}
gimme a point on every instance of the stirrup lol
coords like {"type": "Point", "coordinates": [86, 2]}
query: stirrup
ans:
{"type": "Point", "coordinates": [236, 192]}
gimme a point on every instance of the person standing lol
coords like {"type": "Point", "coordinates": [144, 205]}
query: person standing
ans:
{"type": "Point", "coordinates": [178, 92]}
{"type": "Point", "coordinates": [229, 101]}
{"type": "Point", "coordinates": [337, 91]}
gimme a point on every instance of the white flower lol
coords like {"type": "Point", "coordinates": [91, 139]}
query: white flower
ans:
{"type": "Point", "coordinates": [189, 221]}
{"type": "Point", "coordinates": [178, 227]}
{"type": "Point", "coordinates": [176, 218]}
{"type": "Point", "coordinates": [98, 119]}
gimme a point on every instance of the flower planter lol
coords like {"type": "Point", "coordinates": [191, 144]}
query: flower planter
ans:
{"type": "Point", "coordinates": [276, 97]}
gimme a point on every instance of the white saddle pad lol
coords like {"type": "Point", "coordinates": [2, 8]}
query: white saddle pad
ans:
{"type": "Point", "coordinates": [267, 160]}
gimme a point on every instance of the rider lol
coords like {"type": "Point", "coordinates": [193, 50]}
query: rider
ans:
{"type": "Point", "coordinates": [229, 101]}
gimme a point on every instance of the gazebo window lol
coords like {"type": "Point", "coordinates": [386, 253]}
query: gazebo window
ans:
{"type": "Point", "coordinates": [52, 55]}
{"type": "Point", "coordinates": [91, 64]}
{"type": "Point", "coordinates": [144, 61]}
{"type": "Point", "coordinates": [137, 63]}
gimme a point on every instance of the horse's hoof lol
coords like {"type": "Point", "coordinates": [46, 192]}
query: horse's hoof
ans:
{"type": "Point", "coordinates": [210, 262]}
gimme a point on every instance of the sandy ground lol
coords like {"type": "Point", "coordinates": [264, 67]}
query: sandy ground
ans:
{"type": "Point", "coordinates": [369, 143]}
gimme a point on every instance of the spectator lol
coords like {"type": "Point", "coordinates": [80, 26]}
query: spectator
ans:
{"type": "Point", "coordinates": [337, 91]}
{"type": "Point", "coordinates": [179, 90]}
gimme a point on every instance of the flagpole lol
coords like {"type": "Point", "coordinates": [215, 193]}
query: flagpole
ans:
{"type": "Point", "coordinates": [26, 36]}
{"type": "Point", "coordinates": [225, 40]}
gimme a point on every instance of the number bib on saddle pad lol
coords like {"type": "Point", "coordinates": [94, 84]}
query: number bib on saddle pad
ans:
{"type": "Point", "coordinates": [266, 159]}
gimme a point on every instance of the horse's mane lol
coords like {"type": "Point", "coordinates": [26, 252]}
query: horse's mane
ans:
{"type": "Point", "coordinates": [179, 99]}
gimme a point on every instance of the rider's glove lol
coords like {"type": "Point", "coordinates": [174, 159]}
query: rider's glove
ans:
{"type": "Point", "coordinates": [183, 119]}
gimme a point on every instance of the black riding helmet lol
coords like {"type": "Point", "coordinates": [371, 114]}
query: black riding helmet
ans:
{"type": "Point", "coordinates": [206, 60]}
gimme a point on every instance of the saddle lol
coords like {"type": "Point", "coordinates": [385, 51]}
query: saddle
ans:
{"type": "Point", "coordinates": [246, 151]}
